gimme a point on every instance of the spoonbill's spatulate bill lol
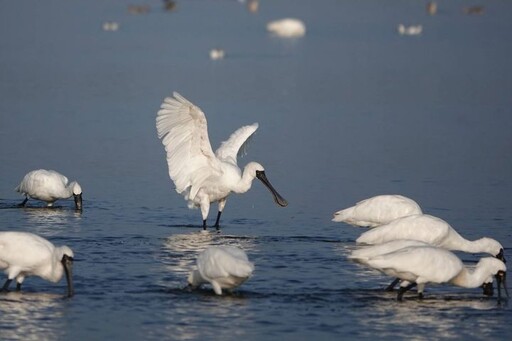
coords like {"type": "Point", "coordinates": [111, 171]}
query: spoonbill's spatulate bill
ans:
{"type": "Point", "coordinates": [419, 265]}
{"type": "Point", "coordinates": [433, 231]}
{"type": "Point", "coordinates": [224, 267]}
{"type": "Point", "coordinates": [201, 176]}
{"type": "Point", "coordinates": [24, 254]}
{"type": "Point", "coordinates": [49, 186]}
{"type": "Point", "coordinates": [378, 210]}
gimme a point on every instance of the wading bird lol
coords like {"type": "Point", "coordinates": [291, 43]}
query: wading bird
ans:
{"type": "Point", "coordinates": [433, 231]}
{"type": "Point", "coordinates": [419, 265]}
{"type": "Point", "coordinates": [49, 186]}
{"type": "Point", "coordinates": [378, 210]}
{"type": "Point", "coordinates": [224, 267]}
{"type": "Point", "coordinates": [201, 176]}
{"type": "Point", "coordinates": [365, 253]}
{"type": "Point", "coordinates": [24, 254]}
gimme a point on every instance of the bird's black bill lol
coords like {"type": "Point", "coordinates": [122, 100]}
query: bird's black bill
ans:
{"type": "Point", "coordinates": [67, 262]}
{"type": "Point", "coordinates": [501, 256]}
{"type": "Point", "coordinates": [277, 197]}
{"type": "Point", "coordinates": [501, 278]}
{"type": "Point", "coordinates": [78, 201]}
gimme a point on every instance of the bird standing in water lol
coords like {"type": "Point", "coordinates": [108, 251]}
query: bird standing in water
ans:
{"type": "Point", "coordinates": [200, 175]}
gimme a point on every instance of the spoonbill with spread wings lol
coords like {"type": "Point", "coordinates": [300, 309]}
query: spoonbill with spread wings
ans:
{"type": "Point", "coordinates": [201, 176]}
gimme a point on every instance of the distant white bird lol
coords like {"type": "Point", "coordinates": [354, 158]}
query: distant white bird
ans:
{"type": "Point", "coordinates": [412, 30]}
{"type": "Point", "coordinates": [419, 265]}
{"type": "Point", "coordinates": [24, 254]}
{"type": "Point", "coordinates": [49, 186]}
{"type": "Point", "coordinates": [431, 230]}
{"type": "Point", "coordinates": [378, 210]}
{"type": "Point", "coordinates": [216, 54]}
{"type": "Point", "coordinates": [287, 28]}
{"type": "Point", "coordinates": [201, 176]}
{"type": "Point", "coordinates": [224, 267]}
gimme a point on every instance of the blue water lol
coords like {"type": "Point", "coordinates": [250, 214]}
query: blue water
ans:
{"type": "Point", "coordinates": [349, 111]}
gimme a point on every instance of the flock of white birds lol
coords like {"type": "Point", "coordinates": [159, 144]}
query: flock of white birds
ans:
{"type": "Point", "coordinates": [415, 248]}
{"type": "Point", "coordinates": [403, 242]}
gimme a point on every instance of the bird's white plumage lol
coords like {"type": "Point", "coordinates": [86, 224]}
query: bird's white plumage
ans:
{"type": "Point", "coordinates": [183, 129]}
{"type": "Point", "coordinates": [428, 264]}
{"type": "Point", "coordinates": [287, 28]}
{"type": "Point", "coordinates": [231, 148]}
{"type": "Point", "coordinates": [364, 253]}
{"type": "Point", "coordinates": [431, 230]}
{"type": "Point", "coordinates": [377, 210]}
{"type": "Point", "coordinates": [201, 176]}
{"type": "Point", "coordinates": [48, 186]}
{"type": "Point", "coordinates": [25, 254]}
{"type": "Point", "coordinates": [224, 267]}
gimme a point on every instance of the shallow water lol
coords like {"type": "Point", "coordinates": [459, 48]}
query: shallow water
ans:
{"type": "Point", "coordinates": [349, 111]}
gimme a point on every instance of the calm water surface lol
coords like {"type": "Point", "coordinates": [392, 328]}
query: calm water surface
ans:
{"type": "Point", "coordinates": [349, 111]}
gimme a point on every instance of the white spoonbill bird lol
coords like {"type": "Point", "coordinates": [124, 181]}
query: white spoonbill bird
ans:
{"type": "Point", "coordinates": [378, 210]}
{"type": "Point", "coordinates": [224, 267]}
{"type": "Point", "coordinates": [24, 254]}
{"type": "Point", "coordinates": [419, 265]}
{"type": "Point", "coordinates": [201, 176]}
{"type": "Point", "coordinates": [433, 231]}
{"type": "Point", "coordinates": [287, 28]}
{"type": "Point", "coordinates": [49, 186]}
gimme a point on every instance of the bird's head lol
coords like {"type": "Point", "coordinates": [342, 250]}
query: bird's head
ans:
{"type": "Point", "coordinates": [77, 195]}
{"type": "Point", "coordinates": [259, 172]}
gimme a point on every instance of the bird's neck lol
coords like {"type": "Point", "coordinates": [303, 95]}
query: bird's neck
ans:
{"type": "Point", "coordinates": [245, 182]}
{"type": "Point", "coordinates": [461, 244]}
{"type": "Point", "coordinates": [470, 279]}
{"type": "Point", "coordinates": [53, 271]}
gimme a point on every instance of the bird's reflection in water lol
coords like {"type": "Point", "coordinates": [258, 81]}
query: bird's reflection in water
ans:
{"type": "Point", "coordinates": [390, 317]}
{"type": "Point", "coordinates": [31, 316]}
{"type": "Point", "coordinates": [50, 221]}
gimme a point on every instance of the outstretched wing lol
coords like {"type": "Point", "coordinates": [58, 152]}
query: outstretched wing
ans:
{"type": "Point", "coordinates": [230, 149]}
{"type": "Point", "coordinates": [183, 129]}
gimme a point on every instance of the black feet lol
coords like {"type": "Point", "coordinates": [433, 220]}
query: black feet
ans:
{"type": "Point", "coordinates": [392, 285]}
{"type": "Point", "coordinates": [217, 221]}
{"type": "Point", "coordinates": [23, 203]}
{"type": "Point", "coordinates": [5, 288]}
{"type": "Point", "coordinates": [402, 290]}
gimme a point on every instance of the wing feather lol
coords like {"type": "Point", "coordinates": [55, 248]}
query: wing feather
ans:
{"type": "Point", "coordinates": [230, 149]}
{"type": "Point", "coordinates": [183, 129]}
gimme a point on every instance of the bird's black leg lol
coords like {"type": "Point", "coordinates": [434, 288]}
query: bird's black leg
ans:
{"type": "Point", "coordinates": [24, 202]}
{"type": "Point", "coordinates": [204, 225]}
{"type": "Point", "coordinates": [402, 290]}
{"type": "Point", "coordinates": [217, 221]}
{"type": "Point", "coordinates": [6, 285]}
{"type": "Point", "coordinates": [393, 284]}
{"type": "Point", "coordinates": [18, 286]}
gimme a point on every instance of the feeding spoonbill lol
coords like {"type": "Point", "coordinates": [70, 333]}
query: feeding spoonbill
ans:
{"type": "Point", "coordinates": [201, 176]}
{"type": "Point", "coordinates": [433, 231]}
{"type": "Point", "coordinates": [287, 28]}
{"type": "Point", "coordinates": [24, 254]}
{"type": "Point", "coordinates": [49, 186]}
{"type": "Point", "coordinates": [419, 265]}
{"type": "Point", "coordinates": [365, 253]}
{"type": "Point", "coordinates": [377, 210]}
{"type": "Point", "coordinates": [224, 267]}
